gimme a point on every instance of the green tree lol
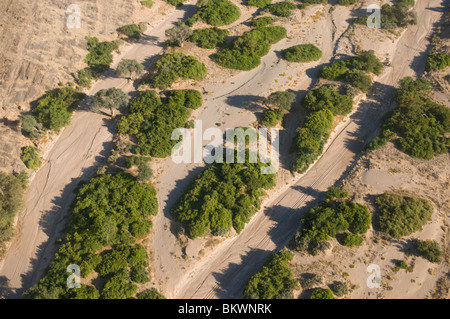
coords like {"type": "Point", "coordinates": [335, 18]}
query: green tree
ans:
{"type": "Point", "coordinates": [322, 294]}
{"type": "Point", "coordinates": [429, 249]}
{"type": "Point", "coordinates": [179, 34]}
{"type": "Point", "coordinates": [273, 279]}
{"type": "Point", "coordinates": [112, 99]}
{"type": "Point", "coordinates": [401, 215]}
{"type": "Point", "coordinates": [283, 100]}
{"type": "Point", "coordinates": [30, 157]}
{"type": "Point", "coordinates": [302, 53]}
{"type": "Point", "coordinates": [128, 68]}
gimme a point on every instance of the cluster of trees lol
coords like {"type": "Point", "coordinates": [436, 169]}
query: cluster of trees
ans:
{"type": "Point", "coordinates": [429, 249]}
{"type": "Point", "coordinates": [274, 280]}
{"type": "Point", "coordinates": [322, 104]}
{"type": "Point", "coordinates": [11, 202]}
{"type": "Point", "coordinates": [401, 215]}
{"type": "Point", "coordinates": [209, 38]}
{"type": "Point", "coordinates": [437, 61]}
{"type": "Point", "coordinates": [278, 102]}
{"type": "Point", "coordinates": [30, 157]}
{"type": "Point", "coordinates": [332, 219]}
{"type": "Point", "coordinates": [218, 12]}
{"type": "Point", "coordinates": [108, 211]}
{"type": "Point", "coordinates": [177, 65]}
{"type": "Point", "coordinates": [133, 30]}
{"type": "Point", "coordinates": [261, 22]}
{"type": "Point", "coordinates": [52, 112]}
{"type": "Point", "coordinates": [394, 16]}
{"type": "Point", "coordinates": [223, 196]}
{"type": "Point", "coordinates": [302, 53]}
{"type": "Point", "coordinates": [419, 122]}
{"type": "Point", "coordinates": [151, 119]}
{"type": "Point", "coordinates": [282, 8]}
{"type": "Point", "coordinates": [354, 70]}
{"type": "Point", "coordinates": [245, 52]}
{"type": "Point", "coordinates": [100, 55]}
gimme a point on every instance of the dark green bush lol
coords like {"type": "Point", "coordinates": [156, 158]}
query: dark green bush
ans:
{"type": "Point", "coordinates": [429, 249]}
{"type": "Point", "coordinates": [271, 118]}
{"type": "Point", "coordinates": [150, 294]}
{"type": "Point", "coordinates": [420, 123]}
{"type": "Point", "coordinates": [244, 52]}
{"type": "Point", "coordinates": [400, 215]}
{"type": "Point", "coordinates": [100, 56]}
{"type": "Point", "coordinates": [282, 9]}
{"type": "Point", "coordinates": [350, 240]}
{"type": "Point", "coordinates": [340, 289]}
{"type": "Point", "coordinates": [281, 99]}
{"type": "Point", "coordinates": [273, 279]}
{"type": "Point", "coordinates": [152, 120]}
{"type": "Point", "coordinates": [358, 79]}
{"type": "Point", "coordinates": [437, 61]}
{"type": "Point", "coordinates": [54, 109]}
{"type": "Point", "coordinates": [102, 212]}
{"type": "Point", "coordinates": [302, 53]}
{"type": "Point", "coordinates": [173, 66]}
{"type": "Point", "coordinates": [222, 196]}
{"type": "Point", "coordinates": [329, 219]}
{"type": "Point", "coordinates": [209, 38]}
{"type": "Point", "coordinates": [30, 157]}
{"type": "Point", "coordinates": [326, 97]}
{"type": "Point", "coordinates": [219, 12]}
{"type": "Point", "coordinates": [131, 31]}
{"type": "Point", "coordinates": [322, 294]}
{"type": "Point", "coordinates": [335, 192]}
{"type": "Point", "coordinates": [261, 22]}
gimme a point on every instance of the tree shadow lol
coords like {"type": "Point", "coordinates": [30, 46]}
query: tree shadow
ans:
{"type": "Point", "coordinates": [231, 282]}
{"type": "Point", "coordinates": [180, 186]}
{"type": "Point", "coordinates": [242, 101]}
{"type": "Point", "coordinates": [5, 290]}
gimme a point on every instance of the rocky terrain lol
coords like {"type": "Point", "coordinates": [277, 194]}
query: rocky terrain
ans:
{"type": "Point", "coordinates": [38, 51]}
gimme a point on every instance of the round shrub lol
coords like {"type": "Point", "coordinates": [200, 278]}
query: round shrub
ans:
{"type": "Point", "coordinates": [302, 53]}
{"type": "Point", "coordinates": [219, 12]}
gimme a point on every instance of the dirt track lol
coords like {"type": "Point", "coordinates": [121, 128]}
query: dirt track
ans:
{"type": "Point", "coordinates": [72, 158]}
{"type": "Point", "coordinates": [88, 139]}
{"type": "Point", "coordinates": [224, 273]}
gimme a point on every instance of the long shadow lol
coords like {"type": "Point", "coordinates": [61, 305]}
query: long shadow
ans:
{"type": "Point", "coordinates": [4, 287]}
{"type": "Point", "coordinates": [231, 282]}
{"type": "Point", "coordinates": [53, 222]}
{"type": "Point", "coordinates": [175, 194]}
{"type": "Point", "coordinates": [242, 101]}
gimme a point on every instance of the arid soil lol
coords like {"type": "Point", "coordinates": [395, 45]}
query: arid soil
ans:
{"type": "Point", "coordinates": [212, 267]}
